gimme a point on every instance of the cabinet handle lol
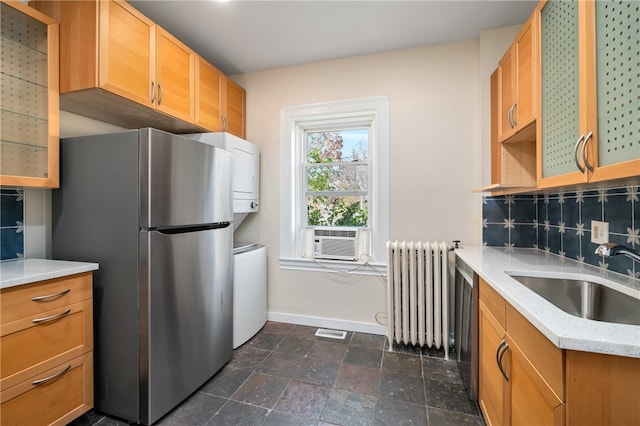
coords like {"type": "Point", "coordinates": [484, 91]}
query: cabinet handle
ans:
{"type": "Point", "coordinates": [513, 117]}
{"type": "Point", "coordinates": [512, 122]}
{"type": "Point", "coordinates": [584, 151]}
{"type": "Point", "coordinates": [51, 318]}
{"type": "Point", "coordinates": [502, 348]}
{"type": "Point", "coordinates": [575, 154]}
{"type": "Point", "coordinates": [160, 93]}
{"type": "Point", "coordinates": [153, 92]}
{"type": "Point", "coordinates": [50, 378]}
{"type": "Point", "coordinates": [509, 117]}
{"type": "Point", "coordinates": [50, 296]}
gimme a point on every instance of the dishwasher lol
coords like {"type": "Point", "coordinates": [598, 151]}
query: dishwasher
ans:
{"type": "Point", "coordinates": [466, 326]}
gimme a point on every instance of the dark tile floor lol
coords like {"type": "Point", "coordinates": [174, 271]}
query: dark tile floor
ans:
{"type": "Point", "coordinates": [287, 376]}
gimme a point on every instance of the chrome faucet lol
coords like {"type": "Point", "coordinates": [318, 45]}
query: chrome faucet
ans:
{"type": "Point", "coordinates": [612, 249]}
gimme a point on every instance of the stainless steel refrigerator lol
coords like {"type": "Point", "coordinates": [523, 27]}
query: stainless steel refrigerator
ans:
{"type": "Point", "coordinates": [155, 211]}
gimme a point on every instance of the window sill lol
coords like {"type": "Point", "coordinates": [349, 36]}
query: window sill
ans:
{"type": "Point", "coordinates": [335, 266]}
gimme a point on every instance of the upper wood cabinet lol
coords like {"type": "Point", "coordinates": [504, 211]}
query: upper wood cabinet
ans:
{"type": "Point", "coordinates": [513, 161]}
{"type": "Point", "coordinates": [590, 92]}
{"type": "Point", "coordinates": [175, 77]}
{"type": "Point", "coordinates": [518, 77]}
{"type": "Point", "coordinates": [119, 67]}
{"type": "Point", "coordinates": [233, 107]}
{"type": "Point", "coordinates": [220, 102]}
{"type": "Point", "coordinates": [208, 95]}
{"type": "Point", "coordinates": [121, 54]}
{"type": "Point", "coordinates": [29, 130]}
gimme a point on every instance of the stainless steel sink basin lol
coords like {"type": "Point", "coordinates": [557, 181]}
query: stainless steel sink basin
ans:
{"type": "Point", "coordinates": [585, 299]}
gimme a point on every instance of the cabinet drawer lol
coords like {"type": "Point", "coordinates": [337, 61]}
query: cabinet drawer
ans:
{"type": "Point", "coordinates": [28, 348]}
{"type": "Point", "coordinates": [66, 396]}
{"type": "Point", "coordinates": [18, 302]}
{"type": "Point", "coordinates": [494, 302]}
{"type": "Point", "coordinates": [543, 355]}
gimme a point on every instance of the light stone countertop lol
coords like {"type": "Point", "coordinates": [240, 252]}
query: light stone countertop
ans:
{"type": "Point", "coordinates": [27, 271]}
{"type": "Point", "coordinates": [566, 331]}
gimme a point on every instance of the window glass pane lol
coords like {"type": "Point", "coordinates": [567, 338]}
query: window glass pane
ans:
{"type": "Point", "coordinates": [343, 177]}
{"type": "Point", "coordinates": [338, 145]}
{"type": "Point", "coordinates": [337, 211]}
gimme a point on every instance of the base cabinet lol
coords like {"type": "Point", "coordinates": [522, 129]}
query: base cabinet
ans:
{"type": "Point", "coordinates": [532, 401]}
{"type": "Point", "coordinates": [521, 372]}
{"type": "Point", "coordinates": [526, 380]}
{"type": "Point", "coordinates": [46, 351]}
{"type": "Point", "coordinates": [602, 389]}
{"type": "Point", "coordinates": [493, 388]}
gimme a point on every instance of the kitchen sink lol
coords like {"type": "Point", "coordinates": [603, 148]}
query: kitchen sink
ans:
{"type": "Point", "coordinates": [585, 299]}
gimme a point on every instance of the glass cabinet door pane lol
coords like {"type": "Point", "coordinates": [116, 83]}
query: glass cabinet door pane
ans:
{"type": "Point", "coordinates": [617, 53]}
{"type": "Point", "coordinates": [24, 102]}
{"type": "Point", "coordinates": [560, 90]}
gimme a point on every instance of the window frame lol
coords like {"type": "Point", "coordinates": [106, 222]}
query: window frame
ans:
{"type": "Point", "coordinates": [295, 121]}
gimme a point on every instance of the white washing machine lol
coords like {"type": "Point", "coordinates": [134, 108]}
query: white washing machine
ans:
{"type": "Point", "coordinates": [249, 291]}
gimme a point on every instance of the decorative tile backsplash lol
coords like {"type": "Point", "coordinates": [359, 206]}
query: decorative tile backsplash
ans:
{"type": "Point", "coordinates": [11, 223]}
{"type": "Point", "coordinates": [560, 223]}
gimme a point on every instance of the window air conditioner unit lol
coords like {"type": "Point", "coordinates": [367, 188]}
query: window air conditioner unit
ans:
{"type": "Point", "coordinates": [335, 243]}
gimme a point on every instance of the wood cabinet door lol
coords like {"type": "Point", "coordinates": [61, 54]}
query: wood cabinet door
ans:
{"type": "Point", "coordinates": [602, 389]}
{"type": "Point", "coordinates": [612, 84]}
{"type": "Point", "coordinates": [493, 390]}
{"type": "Point", "coordinates": [561, 98]}
{"type": "Point", "coordinates": [234, 108]}
{"type": "Point", "coordinates": [507, 90]}
{"type": "Point", "coordinates": [126, 65]}
{"type": "Point", "coordinates": [29, 132]}
{"type": "Point", "coordinates": [175, 76]}
{"type": "Point", "coordinates": [532, 402]}
{"type": "Point", "coordinates": [208, 96]}
{"type": "Point", "coordinates": [524, 113]}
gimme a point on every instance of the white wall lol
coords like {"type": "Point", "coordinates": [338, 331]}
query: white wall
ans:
{"type": "Point", "coordinates": [433, 103]}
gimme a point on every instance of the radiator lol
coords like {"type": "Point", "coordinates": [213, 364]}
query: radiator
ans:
{"type": "Point", "coordinates": [417, 294]}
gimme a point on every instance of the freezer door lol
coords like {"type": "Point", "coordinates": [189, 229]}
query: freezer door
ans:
{"type": "Point", "coordinates": [186, 314]}
{"type": "Point", "coordinates": [183, 181]}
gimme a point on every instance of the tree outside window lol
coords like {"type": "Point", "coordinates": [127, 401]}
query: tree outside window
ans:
{"type": "Point", "coordinates": [337, 177]}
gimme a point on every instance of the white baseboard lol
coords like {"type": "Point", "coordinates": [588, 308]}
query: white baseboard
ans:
{"type": "Point", "coordinates": [360, 327]}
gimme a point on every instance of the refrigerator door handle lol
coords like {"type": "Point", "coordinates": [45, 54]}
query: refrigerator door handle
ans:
{"type": "Point", "coordinates": [194, 228]}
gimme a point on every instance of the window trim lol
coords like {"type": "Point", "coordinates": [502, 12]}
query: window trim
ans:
{"type": "Point", "coordinates": [293, 121]}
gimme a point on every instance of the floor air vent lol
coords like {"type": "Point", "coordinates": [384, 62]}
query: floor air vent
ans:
{"type": "Point", "coordinates": [331, 334]}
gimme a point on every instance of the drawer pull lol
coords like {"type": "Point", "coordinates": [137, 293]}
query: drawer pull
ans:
{"type": "Point", "coordinates": [50, 378]}
{"type": "Point", "coordinates": [50, 296]}
{"type": "Point", "coordinates": [502, 349]}
{"type": "Point", "coordinates": [51, 318]}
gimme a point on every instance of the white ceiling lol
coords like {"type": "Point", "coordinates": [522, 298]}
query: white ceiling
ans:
{"type": "Point", "coordinates": [244, 36]}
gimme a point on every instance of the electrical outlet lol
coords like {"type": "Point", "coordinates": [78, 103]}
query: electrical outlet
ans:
{"type": "Point", "coordinates": [599, 232]}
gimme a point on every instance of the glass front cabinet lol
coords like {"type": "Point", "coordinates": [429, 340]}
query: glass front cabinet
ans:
{"type": "Point", "coordinates": [29, 128]}
{"type": "Point", "coordinates": [590, 91]}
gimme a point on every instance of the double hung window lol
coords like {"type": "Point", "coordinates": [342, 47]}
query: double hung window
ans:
{"type": "Point", "coordinates": [334, 178]}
